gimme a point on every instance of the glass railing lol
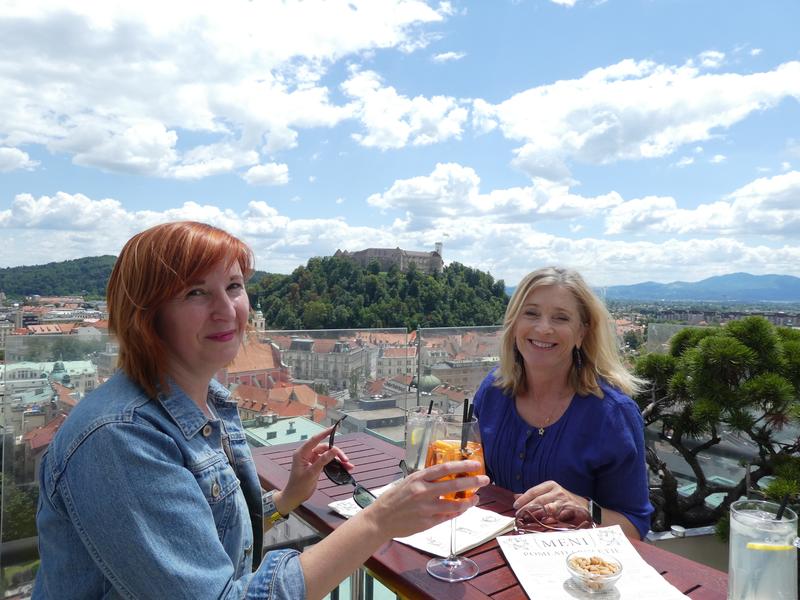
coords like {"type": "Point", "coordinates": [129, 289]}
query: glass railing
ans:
{"type": "Point", "coordinates": [42, 379]}
{"type": "Point", "coordinates": [288, 385]}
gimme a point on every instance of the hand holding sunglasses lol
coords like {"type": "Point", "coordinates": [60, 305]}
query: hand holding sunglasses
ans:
{"type": "Point", "coordinates": [336, 472]}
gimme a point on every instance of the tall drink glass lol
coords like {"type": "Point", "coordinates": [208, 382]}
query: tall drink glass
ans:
{"type": "Point", "coordinates": [419, 428]}
{"type": "Point", "coordinates": [762, 563]}
{"type": "Point", "coordinates": [454, 439]}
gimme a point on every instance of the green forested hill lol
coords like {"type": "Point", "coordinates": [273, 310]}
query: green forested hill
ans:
{"type": "Point", "coordinates": [82, 276]}
{"type": "Point", "coordinates": [335, 293]}
{"type": "Point", "coordinates": [326, 293]}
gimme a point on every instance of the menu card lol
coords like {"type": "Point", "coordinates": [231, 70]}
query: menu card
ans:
{"type": "Point", "coordinates": [539, 560]}
{"type": "Point", "coordinates": [474, 527]}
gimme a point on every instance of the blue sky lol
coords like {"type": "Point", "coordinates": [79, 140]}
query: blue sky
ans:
{"type": "Point", "coordinates": [633, 140]}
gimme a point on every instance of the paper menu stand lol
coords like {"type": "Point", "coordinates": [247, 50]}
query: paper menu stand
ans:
{"type": "Point", "coordinates": [539, 560]}
{"type": "Point", "coordinates": [473, 528]}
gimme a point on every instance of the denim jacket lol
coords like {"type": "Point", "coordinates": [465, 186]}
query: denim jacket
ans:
{"type": "Point", "coordinates": [139, 500]}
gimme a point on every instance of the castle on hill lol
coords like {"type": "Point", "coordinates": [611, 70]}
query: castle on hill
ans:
{"type": "Point", "coordinates": [427, 262]}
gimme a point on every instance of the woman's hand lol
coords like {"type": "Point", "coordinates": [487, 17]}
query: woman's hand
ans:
{"type": "Point", "coordinates": [551, 496]}
{"type": "Point", "coordinates": [415, 504]}
{"type": "Point", "coordinates": [307, 463]}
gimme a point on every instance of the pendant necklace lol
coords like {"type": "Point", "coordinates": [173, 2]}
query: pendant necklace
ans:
{"type": "Point", "coordinates": [547, 421]}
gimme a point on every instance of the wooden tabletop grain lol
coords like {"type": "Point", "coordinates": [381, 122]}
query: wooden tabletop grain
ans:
{"type": "Point", "coordinates": [402, 568]}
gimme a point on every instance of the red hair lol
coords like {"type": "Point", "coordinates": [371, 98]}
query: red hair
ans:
{"type": "Point", "coordinates": [154, 267]}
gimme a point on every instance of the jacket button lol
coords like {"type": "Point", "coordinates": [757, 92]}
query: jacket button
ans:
{"type": "Point", "coordinates": [522, 455]}
{"type": "Point", "coordinates": [207, 430]}
{"type": "Point", "coordinates": [215, 489]}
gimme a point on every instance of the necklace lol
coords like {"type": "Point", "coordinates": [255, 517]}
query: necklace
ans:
{"type": "Point", "coordinates": [550, 417]}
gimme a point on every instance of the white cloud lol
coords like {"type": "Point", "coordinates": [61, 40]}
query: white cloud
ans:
{"type": "Point", "coordinates": [118, 85]}
{"type": "Point", "coordinates": [448, 57]}
{"type": "Point", "coordinates": [452, 190]}
{"type": "Point", "coordinates": [12, 159]}
{"type": "Point", "coordinates": [766, 206]}
{"type": "Point", "coordinates": [393, 120]}
{"type": "Point", "coordinates": [496, 231]}
{"type": "Point", "coordinates": [268, 174]}
{"type": "Point", "coordinates": [628, 111]}
{"type": "Point", "coordinates": [564, 2]}
{"type": "Point", "coordinates": [717, 159]}
{"type": "Point", "coordinates": [786, 166]}
{"type": "Point", "coordinates": [711, 59]}
{"type": "Point", "coordinates": [755, 51]}
{"type": "Point", "coordinates": [684, 161]}
{"type": "Point", "coordinates": [340, 200]}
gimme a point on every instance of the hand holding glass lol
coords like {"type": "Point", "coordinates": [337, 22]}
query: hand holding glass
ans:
{"type": "Point", "coordinates": [419, 426]}
{"type": "Point", "coordinates": [453, 440]}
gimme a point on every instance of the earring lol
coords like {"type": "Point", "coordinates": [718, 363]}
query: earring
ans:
{"type": "Point", "coordinates": [577, 358]}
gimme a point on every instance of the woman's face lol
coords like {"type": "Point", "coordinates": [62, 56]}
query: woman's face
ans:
{"type": "Point", "coordinates": [548, 327]}
{"type": "Point", "coordinates": [203, 326]}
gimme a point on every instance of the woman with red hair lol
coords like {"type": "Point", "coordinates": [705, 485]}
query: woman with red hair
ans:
{"type": "Point", "coordinates": [149, 490]}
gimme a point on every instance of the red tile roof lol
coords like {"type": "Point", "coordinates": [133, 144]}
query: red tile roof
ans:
{"type": "Point", "coordinates": [399, 352]}
{"type": "Point", "coordinates": [379, 337]}
{"type": "Point", "coordinates": [375, 387]}
{"type": "Point", "coordinates": [285, 401]}
{"type": "Point", "coordinates": [254, 356]}
{"type": "Point", "coordinates": [41, 437]}
{"type": "Point", "coordinates": [65, 394]}
{"type": "Point", "coordinates": [323, 346]}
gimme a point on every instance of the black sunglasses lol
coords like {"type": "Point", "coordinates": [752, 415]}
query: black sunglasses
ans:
{"type": "Point", "coordinates": [336, 472]}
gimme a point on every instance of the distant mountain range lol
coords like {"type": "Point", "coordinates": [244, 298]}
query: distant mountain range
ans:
{"type": "Point", "coordinates": [736, 287]}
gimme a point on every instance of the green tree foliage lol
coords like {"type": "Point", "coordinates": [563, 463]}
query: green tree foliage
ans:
{"type": "Point", "coordinates": [336, 293]}
{"type": "Point", "coordinates": [19, 511]}
{"type": "Point", "coordinates": [633, 339]}
{"type": "Point", "coordinates": [741, 378]}
{"type": "Point", "coordinates": [80, 277]}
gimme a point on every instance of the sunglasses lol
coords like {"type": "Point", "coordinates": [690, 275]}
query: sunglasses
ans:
{"type": "Point", "coordinates": [336, 472]}
{"type": "Point", "coordinates": [537, 518]}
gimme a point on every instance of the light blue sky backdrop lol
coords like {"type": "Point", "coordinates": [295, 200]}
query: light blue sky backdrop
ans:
{"type": "Point", "coordinates": [632, 139]}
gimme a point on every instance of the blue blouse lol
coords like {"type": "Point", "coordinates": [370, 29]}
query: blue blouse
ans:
{"type": "Point", "coordinates": [595, 450]}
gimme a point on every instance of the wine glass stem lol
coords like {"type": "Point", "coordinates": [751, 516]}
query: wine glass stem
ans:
{"type": "Point", "coordinates": [452, 556]}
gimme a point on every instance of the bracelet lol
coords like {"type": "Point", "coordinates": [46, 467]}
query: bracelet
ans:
{"type": "Point", "coordinates": [270, 512]}
{"type": "Point", "coordinates": [595, 511]}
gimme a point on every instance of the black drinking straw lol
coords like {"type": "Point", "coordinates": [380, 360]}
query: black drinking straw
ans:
{"type": "Point", "coordinates": [465, 424]}
{"type": "Point", "coordinates": [782, 508]}
{"type": "Point", "coordinates": [430, 407]}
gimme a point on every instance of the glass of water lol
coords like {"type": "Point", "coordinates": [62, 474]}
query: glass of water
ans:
{"type": "Point", "coordinates": [763, 556]}
{"type": "Point", "coordinates": [419, 426]}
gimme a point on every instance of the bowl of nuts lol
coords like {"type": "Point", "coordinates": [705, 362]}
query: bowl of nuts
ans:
{"type": "Point", "coordinates": [593, 572]}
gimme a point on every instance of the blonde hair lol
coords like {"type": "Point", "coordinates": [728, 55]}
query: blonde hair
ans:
{"type": "Point", "coordinates": [600, 353]}
{"type": "Point", "coordinates": [152, 268]}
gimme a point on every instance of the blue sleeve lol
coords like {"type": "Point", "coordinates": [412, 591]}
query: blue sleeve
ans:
{"type": "Point", "coordinates": [148, 526]}
{"type": "Point", "coordinates": [622, 484]}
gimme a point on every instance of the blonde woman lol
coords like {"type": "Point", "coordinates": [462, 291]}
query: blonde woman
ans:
{"type": "Point", "coordinates": [557, 422]}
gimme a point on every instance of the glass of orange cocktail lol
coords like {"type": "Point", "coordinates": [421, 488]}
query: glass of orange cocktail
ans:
{"type": "Point", "coordinates": [454, 439]}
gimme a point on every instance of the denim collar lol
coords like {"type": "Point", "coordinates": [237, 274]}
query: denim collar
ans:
{"type": "Point", "coordinates": [182, 409]}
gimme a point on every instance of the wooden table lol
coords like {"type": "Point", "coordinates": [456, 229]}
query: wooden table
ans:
{"type": "Point", "coordinates": [402, 568]}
